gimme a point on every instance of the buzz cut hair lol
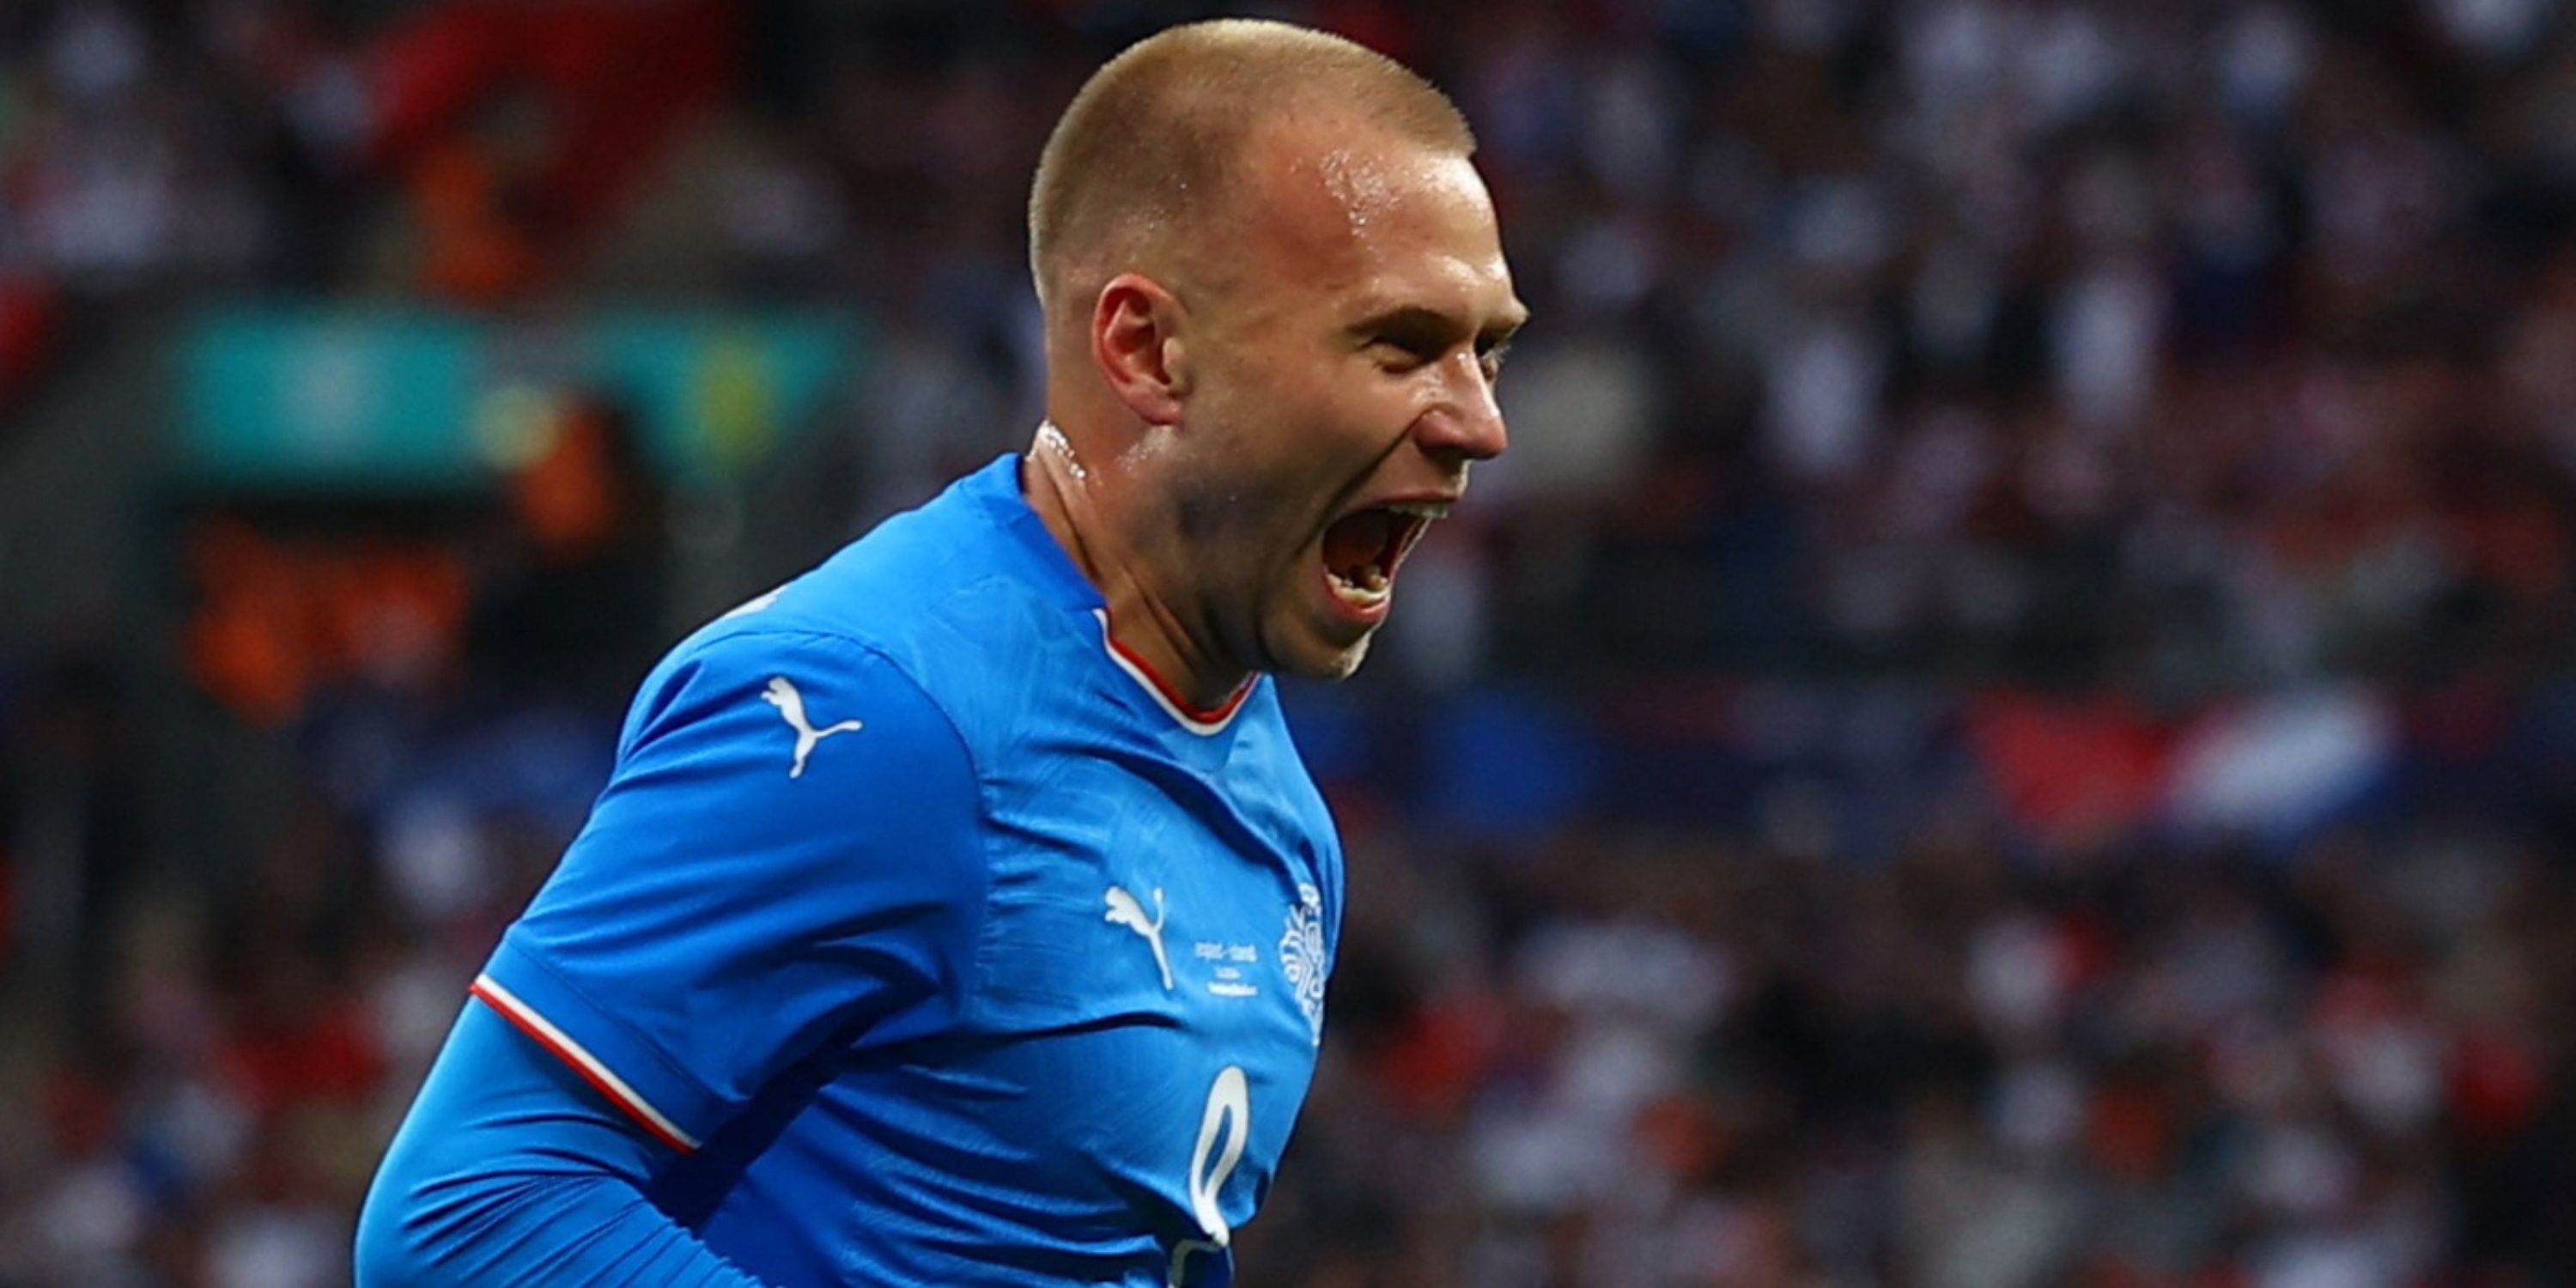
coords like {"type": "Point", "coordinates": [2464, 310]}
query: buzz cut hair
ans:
{"type": "Point", "coordinates": [1155, 140]}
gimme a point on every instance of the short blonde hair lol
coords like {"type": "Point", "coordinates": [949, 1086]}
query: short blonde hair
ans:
{"type": "Point", "coordinates": [1153, 141]}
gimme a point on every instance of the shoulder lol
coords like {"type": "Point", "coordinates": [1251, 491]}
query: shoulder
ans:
{"type": "Point", "coordinates": [807, 750]}
{"type": "Point", "coordinates": [976, 658]}
{"type": "Point", "coordinates": [928, 601]}
{"type": "Point", "coordinates": [770, 673]}
{"type": "Point", "coordinates": [878, 591]}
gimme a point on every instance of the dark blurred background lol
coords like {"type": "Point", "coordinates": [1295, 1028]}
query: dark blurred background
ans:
{"type": "Point", "coordinates": [2010, 720]}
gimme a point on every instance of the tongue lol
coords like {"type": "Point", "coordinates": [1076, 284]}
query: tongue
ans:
{"type": "Point", "coordinates": [1355, 541]}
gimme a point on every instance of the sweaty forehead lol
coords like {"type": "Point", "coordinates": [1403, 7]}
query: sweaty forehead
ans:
{"type": "Point", "coordinates": [1336, 207]}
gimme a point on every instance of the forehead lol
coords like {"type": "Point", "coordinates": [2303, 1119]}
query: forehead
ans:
{"type": "Point", "coordinates": [1357, 216]}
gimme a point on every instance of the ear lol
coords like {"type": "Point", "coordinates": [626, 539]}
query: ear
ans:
{"type": "Point", "coordinates": [1136, 345]}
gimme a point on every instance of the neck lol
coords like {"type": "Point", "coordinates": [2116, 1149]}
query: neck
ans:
{"type": "Point", "coordinates": [1081, 502]}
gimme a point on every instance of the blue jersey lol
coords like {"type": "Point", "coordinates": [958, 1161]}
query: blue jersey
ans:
{"type": "Point", "coordinates": [937, 944]}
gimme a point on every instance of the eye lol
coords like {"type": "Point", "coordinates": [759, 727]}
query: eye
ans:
{"type": "Point", "coordinates": [1399, 354]}
{"type": "Point", "coordinates": [1490, 355]}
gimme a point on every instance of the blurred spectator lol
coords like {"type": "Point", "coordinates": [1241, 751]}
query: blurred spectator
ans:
{"type": "Point", "coordinates": [584, 563]}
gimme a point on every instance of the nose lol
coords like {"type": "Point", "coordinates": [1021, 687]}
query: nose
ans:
{"type": "Point", "coordinates": [1468, 424]}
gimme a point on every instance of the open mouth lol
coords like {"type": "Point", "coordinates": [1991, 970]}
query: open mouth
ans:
{"type": "Point", "coordinates": [1362, 549]}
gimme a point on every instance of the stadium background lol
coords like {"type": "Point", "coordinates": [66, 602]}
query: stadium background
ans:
{"type": "Point", "coordinates": [2010, 720]}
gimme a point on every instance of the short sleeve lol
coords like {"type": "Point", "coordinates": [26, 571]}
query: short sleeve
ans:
{"type": "Point", "coordinates": [786, 854]}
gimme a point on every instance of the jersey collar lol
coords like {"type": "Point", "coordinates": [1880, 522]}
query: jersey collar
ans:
{"type": "Point", "coordinates": [1206, 721]}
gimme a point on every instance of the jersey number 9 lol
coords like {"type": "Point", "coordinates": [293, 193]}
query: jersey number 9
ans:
{"type": "Point", "coordinates": [1223, 1127]}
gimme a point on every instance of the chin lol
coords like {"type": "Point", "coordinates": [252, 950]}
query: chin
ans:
{"type": "Point", "coordinates": [1317, 659]}
{"type": "Point", "coordinates": [1346, 663]}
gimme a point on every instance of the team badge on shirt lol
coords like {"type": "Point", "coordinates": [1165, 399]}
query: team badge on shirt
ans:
{"type": "Point", "coordinates": [1301, 955]}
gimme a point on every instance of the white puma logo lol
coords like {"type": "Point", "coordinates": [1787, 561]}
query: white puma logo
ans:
{"type": "Point", "coordinates": [791, 705]}
{"type": "Point", "coordinates": [1124, 910]}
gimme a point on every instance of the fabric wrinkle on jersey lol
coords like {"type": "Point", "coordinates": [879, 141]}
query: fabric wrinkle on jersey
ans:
{"type": "Point", "coordinates": [935, 947]}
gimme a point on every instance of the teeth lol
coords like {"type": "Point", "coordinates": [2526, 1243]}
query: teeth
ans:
{"type": "Point", "coordinates": [1368, 589]}
{"type": "Point", "coordinates": [1421, 509]}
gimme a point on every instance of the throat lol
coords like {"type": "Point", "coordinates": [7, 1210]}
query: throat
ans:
{"type": "Point", "coordinates": [1079, 509]}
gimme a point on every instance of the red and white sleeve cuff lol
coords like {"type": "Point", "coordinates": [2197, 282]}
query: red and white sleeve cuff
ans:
{"type": "Point", "coordinates": [628, 1101]}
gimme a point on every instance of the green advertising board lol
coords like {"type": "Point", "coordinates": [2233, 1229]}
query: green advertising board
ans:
{"type": "Point", "coordinates": [408, 400]}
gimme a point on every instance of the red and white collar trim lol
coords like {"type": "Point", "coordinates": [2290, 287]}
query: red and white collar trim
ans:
{"type": "Point", "coordinates": [1199, 721]}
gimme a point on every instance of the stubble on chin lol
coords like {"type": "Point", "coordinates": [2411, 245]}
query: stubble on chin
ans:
{"type": "Point", "coordinates": [1347, 663]}
{"type": "Point", "coordinates": [1320, 659]}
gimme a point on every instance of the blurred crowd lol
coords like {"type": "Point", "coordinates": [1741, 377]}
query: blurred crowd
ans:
{"type": "Point", "coordinates": [2009, 721]}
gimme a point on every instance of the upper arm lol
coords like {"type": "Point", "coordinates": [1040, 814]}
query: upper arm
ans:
{"type": "Point", "coordinates": [732, 903]}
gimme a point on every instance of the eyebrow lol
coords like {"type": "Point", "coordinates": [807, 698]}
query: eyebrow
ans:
{"type": "Point", "coordinates": [1418, 319]}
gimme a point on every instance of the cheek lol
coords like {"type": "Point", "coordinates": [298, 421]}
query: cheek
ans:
{"type": "Point", "coordinates": [1198, 515]}
{"type": "Point", "coordinates": [1235, 505]}
{"type": "Point", "coordinates": [1302, 392]}
{"type": "Point", "coordinates": [1284, 440]}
